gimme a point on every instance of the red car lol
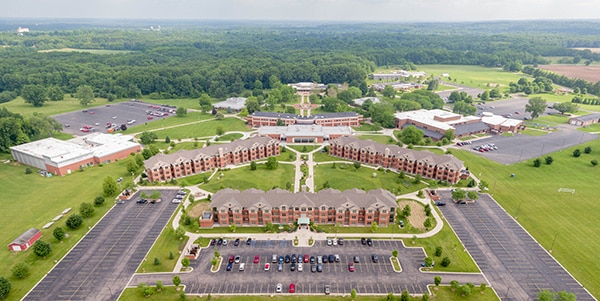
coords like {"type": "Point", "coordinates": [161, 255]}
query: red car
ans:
{"type": "Point", "coordinates": [351, 266]}
{"type": "Point", "coordinates": [150, 117]}
{"type": "Point", "coordinates": [292, 288]}
{"type": "Point", "coordinates": [231, 258]}
{"type": "Point", "coordinates": [256, 258]}
{"type": "Point", "coordinates": [305, 258]}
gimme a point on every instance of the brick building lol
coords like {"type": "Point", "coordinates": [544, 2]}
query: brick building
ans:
{"type": "Point", "coordinates": [297, 133]}
{"type": "Point", "coordinates": [423, 163]}
{"type": "Point", "coordinates": [25, 240]}
{"type": "Point", "coordinates": [63, 157]}
{"type": "Point", "coordinates": [189, 162]}
{"type": "Point", "coordinates": [258, 119]}
{"type": "Point", "coordinates": [254, 207]}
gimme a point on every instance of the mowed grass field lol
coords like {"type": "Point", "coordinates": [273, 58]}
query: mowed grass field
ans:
{"type": "Point", "coordinates": [473, 76]}
{"type": "Point", "coordinates": [69, 104]}
{"type": "Point", "coordinates": [243, 178]}
{"type": "Point", "coordinates": [191, 117]}
{"type": "Point", "coordinates": [31, 201]}
{"type": "Point", "coordinates": [203, 129]}
{"type": "Point", "coordinates": [345, 176]}
{"type": "Point", "coordinates": [565, 222]}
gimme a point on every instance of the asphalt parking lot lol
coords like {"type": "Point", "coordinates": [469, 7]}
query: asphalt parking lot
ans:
{"type": "Point", "coordinates": [524, 147]}
{"type": "Point", "coordinates": [368, 278]}
{"type": "Point", "coordinates": [514, 263]}
{"type": "Point", "coordinates": [117, 113]}
{"type": "Point", "coordinates": [101, 264]}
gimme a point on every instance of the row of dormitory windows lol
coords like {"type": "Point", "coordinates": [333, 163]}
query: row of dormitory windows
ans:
{"type": "Point", "coordinates": [317, 212]}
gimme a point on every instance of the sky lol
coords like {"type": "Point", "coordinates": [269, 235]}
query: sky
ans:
{"type": "Point", "coordinates": [306, 10]}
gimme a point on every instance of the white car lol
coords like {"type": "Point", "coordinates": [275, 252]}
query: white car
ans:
{"type": "Point", "coordinates": [329, 243]}
{"type": "Point", "coordinates": [300, 267]}
{"type": "Point", "coordinates": [176, 201]}
{"type": "Point", "coordinates": [279, 287]}
{"type": "Point", "coordinates": [131, 121]}
{"type": "Point", "coordinates": [334, 241]}
{"type": "Point", "coordinates": [242, 266]}
{"type": "Point", "coordinates": [224, 242]}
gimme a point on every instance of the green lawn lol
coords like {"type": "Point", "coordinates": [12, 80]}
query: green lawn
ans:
{"type": "Point", "coordinates": [434, 150]}
{"type": "Point", "coordinates": [590, 128]}
{"type": "Point", "coordinates": [243, 178]}
{"type": "Point", "coordinates": [474, 76]}
{"type": "Point", "coordinates": [69, 104]}
{"type": "Point", "coordinates": [365, 127]}
{"type": "Point", "coordinates": [203, 129]}
{"type": "Point", "coordinates": [166, 242]}
{"type": "Point", "coordinates": [304, 148]}
{"type": "Point", "coordinates": [445, 293]}
{"type": "Point", "coordinates": [325, 157]}
{"type": "Point", "coordinates": [186, 146]}
{"type": "Point", "coordinates": [345, 177]}
{"type": "Point", "coordinates": [230, 137]}
{"type": "Point", "coordinates": [171, 121]}
{"type": "Point", "coordinates": [533, 132]}
{"type": "Point", "coordinates": [36, 200]}
{"type": "Point", "coordinates": [382, 139]}
{"type": "Point", "coordinates": [287, 156]}
{"type": "Point", "coordinates": [551, 120]}
{"type": "Point", "coordinates": [548, 214]}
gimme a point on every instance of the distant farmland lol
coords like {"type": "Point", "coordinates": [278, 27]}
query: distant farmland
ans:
{"type": "Point", "coordinates": [588, 73]}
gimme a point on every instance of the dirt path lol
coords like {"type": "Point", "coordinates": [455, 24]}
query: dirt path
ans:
{"type": "Point", "coordinates": [417, 213]}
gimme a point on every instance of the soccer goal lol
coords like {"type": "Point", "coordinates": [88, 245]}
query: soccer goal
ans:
{"type": "Point", "coordinates": [566, 190]}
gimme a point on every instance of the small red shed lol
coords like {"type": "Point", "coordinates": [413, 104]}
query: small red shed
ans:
{"type": "Point", "coordinates": [25, 240]}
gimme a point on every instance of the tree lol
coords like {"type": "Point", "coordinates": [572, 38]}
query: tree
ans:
{"type": "Point", "coordinates": [566, 107]}
{"type": "Point", "coordinates": [462, 107]}
{"type": "Point", "coordinates": [74, 221]}
{"type": "Point", "coordinates": [445, 262]}
{"type": "Point", "coordinates": [594, 162]}
{"type": "Point", "coordinates": [232, 227]}
{"type": "Point", "coordinates": [437, 280]}
{"type": "Point", "coordinates": [438, 251]}
{"type": "Point", "coordinates": [537, 162]}
{"type": "Point", "coordinates": [374, 227]}
{"type": "Point", "coordinates": [176, 280]}
{"type": "Point", "coordinates": [252, 165]}
{"type": "Point", "coordinates": [148, 137]}
{"type": "Point", "coordinates": [272, 163]}
{"type": "Point", "coordinates": [159, 285]}
{"type": "Point", "coordinates": [34, 94]}
{"type": "Point", "coordinates": [576, 153]}
{"type": "Point", "coordinates": [99, 201]}
{"type": "Point", "coordinates": [85, 94]}
{"type": "Point", "coordinates": [458, 194]}
{"type": "Point", "coordinates": [428, 261]}
{"type": "Point", "coordinates": [41, 248]}
{"type": "Point", "coordinates": [549, 160]}
{"type": "Point", "coordinates": [109, 186]}
{"type": "Point", "coordinates": [485, 95]}
{"type": "Point", "coordinates": [4, 288]}
{"type": "Point", "coordinates": [389, 91]}
{"type": "Point", "coordinates": [171, 256]}
{"type": "Point", "coordinates": [20, 270]}
{"type": "Point", "coordinates": [353, 293]}
{"type": "Point", "coordinates": [252, 105]}
{"type": "Point", "coordinates": [144, 289]}
{"type": "Point", "coordinates": [356, 165]}
{"type": "Point", "coordinates": [406, 211]}
{"type": "Point", "coordinates": [449, 134]}
{"type": "Point", "coordinates": [566, 296]}
{"type": "Point", "coordinates": [411, 135]}
{"type": "Point", "coordinates": [55, 93]}
{"type": "Point", "coordinates": [465, 290]}
{"type": "Point", "coordinates": [587, 150]}
{"type": "Point", "coordinates": [472, 195]}
{"type": "Point", "coordinates": [185, 262]}
{"type": "Point", "coordinates": [59, 233]}
{"type": "Point", "coordinates": [219, 130]}
{"type": "Point", "coordinates": [86, 210]}
{"type": "Point", "coordinates": [405, 296]}
{"type": "Point", "coordinates": [394, 253]}
{"type": "Point", "coordinates": [427, 223]}
{"type": "Point", "coordinates": [536, 106]}
{"type": "Point", "coordinates": [181, 111]}
{"type": "Point", "coordinates": [454, 285]}
{"type": "Point", "coordinates": [433, 85]}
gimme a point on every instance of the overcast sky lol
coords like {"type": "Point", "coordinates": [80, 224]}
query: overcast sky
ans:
{"type": "Point", "coordinates": [306, 10]}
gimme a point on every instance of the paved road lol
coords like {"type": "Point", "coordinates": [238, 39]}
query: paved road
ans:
{"type": "Point", "coordinates": [369, 277]}
{"type": "Point", "coordinates": [101, 264]}
{"type": "Point", "coordinates": [514, 263]}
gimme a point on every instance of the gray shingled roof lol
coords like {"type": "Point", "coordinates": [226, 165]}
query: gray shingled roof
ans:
{"type": "Point", "coordinates": [475, 127]}
{"type": "Point", "coordinates": [351, 199]}
{"type": "Point", "coordinates": [592, 116]}
{"type": "Point", "coordinates": [25, 237]}
{"type": "Point", "coordinates": [206, 152]}
{"type": "Point", "coordinates": [408, 154]}
{"type": "Point", "coordinates": [294, 116]}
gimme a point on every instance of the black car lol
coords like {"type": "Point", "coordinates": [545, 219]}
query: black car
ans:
{"type": "Point", "coordinates": [142, 201]}
{"type": "Point", "coordinates": [312, 259]}
{"type": "Point", "coordinates": [219, 242]}
{"type": "Point", "coordinates": [248, 241]}
{"type": "Point", "coordinates": [341, 241]}
{"type": "Point", "coordinates": [401, 223]}
{"type": "Point", "coordinates": [212, 242]}
{"type": "Point", "coordinates": [325, 257]}
{"type": "Point", "coordinates": [313, 268]}
{"type": "Point", "coordinates": [331, 258]}
{"type": "Point", "coordinates": [363, 241]}
{"type": "Point", "coordinates": [299, 258]}
{"type": "Point", "coordinates": [356, 259]}
{"type": "Point", "coordinates": [280, 259]}
{"type": "Point", "coordinates": [229, 265]}
{"type": "Point", "coordinates": [293, 266]}
{"type": "Point", "coordinates": [319, 268]}
{"type": "Point", "coordinates": [287, 258]}
{"type": "Point", "coordinates": [440, 203]}
{"type": "Point", "coordinates": [369, 242]}
{"type": "Point", "coordinates": [375, 258]}
{"type": "Point", "coordinates": [293, 258]}
{"type": "Point", "coordinates": [236, 242]}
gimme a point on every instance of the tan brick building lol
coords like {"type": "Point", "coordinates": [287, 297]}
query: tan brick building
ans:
{"type": "Point", "coordinates": [254, 207]}
{"type": "Point", "coordinates": [189, 162]}
{"type": "Point", "coordinates": [258, 119]}
{"type": "Point", "coordinates": [424, 163]}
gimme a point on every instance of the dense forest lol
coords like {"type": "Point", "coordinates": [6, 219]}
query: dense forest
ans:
{"type": "Point", "coordinates": [188, 59]}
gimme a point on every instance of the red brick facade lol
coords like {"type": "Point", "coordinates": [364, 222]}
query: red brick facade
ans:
{"type": "Point", "coordinates": [185, 163]}
{"type": "Point", "coordinates": [259, 119]}
{"type": "Point", "coordinates": [256, 208]}
{"type": "Point", "coordinates": [426, 164]}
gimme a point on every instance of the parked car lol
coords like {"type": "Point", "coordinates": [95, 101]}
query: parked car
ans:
{"type": "Point", "coordinates": [293, 266]}
{"type": "Point", "coordinates": [236, 242]}
{"type": "Point", "coordinates": [336, 257]}
{"type": "Point", "coordinates": [440, 203]}
{"type": "Point", "coordinates": [331, 258]}
{"type": "Point", "coordinates": [229, 266]}
{"type": "Point", "coordinates": [312, 259]}
{"type": "Point", "coordinates": [313, 268]}
{"type": "Point", "coordinates": [142, 201]}
{"type": "Point", "coordinates": [278, 288]}
{"type": "Point", "coordinates": [225, 242]}
{"type": "Point", "coordinates": [274, 258]}
{"type": "Point", "coordinates": [319, 268]}
{"type": "Point", "coordinates": [305, 258]}
{"type": "Point", "coordinates": [287, 258]}
{"type": "Point", "coordinates": [237, 259]}
{"type": "Point", "coordinates": [300, 267]}
{"type": "Point", "coordinates": [327, 289]}
{"type": "Point", "coordinates": [176, 201]}
{"type": "Point", "coordinates": [267, 266]}
{"type": "Point", "coordinates": [369, 242]}
{"type": "Point", "coordinates": [248, 241]}
{"type": "Point", "coordinates": [363, 241]}
{"type": "Point", "coordinates": [256, 258]}
{"type": "Point", "coordinates": [242, 266]}
{"type": "Point", "coordinates": [329, 243]}
{"type": "Point", "coordinates": [280, 267]}
{"type": "Point", "coordinates": [356, 259]}
{"type": "Point", "coordinates": [292, 288]}
{"type": "Point", "coordinates": [351, 266]}
{"type": "Point", "coordinates": [375, 258]}
{"type": "Point", "coordinates": [341, 241]}
{"type": "Point", "coordinates": [231, 258]}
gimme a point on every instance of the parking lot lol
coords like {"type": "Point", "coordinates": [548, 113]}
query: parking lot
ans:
{"type": "Point", "coordinates": [368, 278]}
{"type": "Point", "coordinates": [101, 264]}
{"type": "Point", "coordinates": [514, 263]}
{"type": "Point", "coordinates": [96, 118]}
